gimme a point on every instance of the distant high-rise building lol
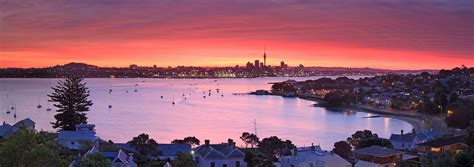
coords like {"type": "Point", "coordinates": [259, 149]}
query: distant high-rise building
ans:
{"type": "Point", "coordinates": [264, 57]}
{"type": "Point", "coordinates": [133, 66]}
{"type": "Point", "coordinates": [282, 64]}
{"type": "Point", "coordinates": [257, 63]}
{"type": "Point", "coordinates": [249, 65]}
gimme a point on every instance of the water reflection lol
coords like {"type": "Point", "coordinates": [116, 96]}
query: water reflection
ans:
{"type": "Point", "coordinates": [214, 117]}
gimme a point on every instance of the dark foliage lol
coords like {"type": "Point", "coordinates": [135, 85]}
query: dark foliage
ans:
{"type": "Point", "coordinates": [71, 99]}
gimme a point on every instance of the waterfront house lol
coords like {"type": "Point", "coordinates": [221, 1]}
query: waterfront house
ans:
{"type": "Point", "coordinates": [313, 156]}
{"type": "Point", "coordinates": [84, 133]}
{"type": "Point", "coordinates": [377, 156]}
{"type": "Point", "coordinates": [404, 141]}
{"type": "Point", "coordinates": [25, 123]}
{"type": "Point", "coordinates": [6, 130]}
{"type": "Point", "coordinates": [219, 155]}
{"type": "Point", "coordinates": [441, 145]}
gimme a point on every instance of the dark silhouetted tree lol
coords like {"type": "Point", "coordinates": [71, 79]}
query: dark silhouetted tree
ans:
{"type": "Point", "coordinates": [70, 97]}
{"type": "Point", "coordinates": [144, 145]}
{"type": "Point", "coordinates": [342, 148]}
{"type": "Point", "coordinates": [191, 140]}
{"type": "Point", "coordinates": [273, 147]}
{"type": "Point", "coordinates": [249, 139]}
{"type": "Point", "coordinates": [366, 138]}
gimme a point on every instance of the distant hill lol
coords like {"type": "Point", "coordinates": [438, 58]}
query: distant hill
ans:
{"type": "Point", "coordinates": [74, 65]}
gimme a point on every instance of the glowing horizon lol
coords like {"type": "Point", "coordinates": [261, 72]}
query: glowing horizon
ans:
{"type": "Point", "coordinates": [386, 34]}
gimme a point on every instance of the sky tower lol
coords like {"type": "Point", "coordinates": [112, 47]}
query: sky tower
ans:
{"type": "Point", "coordinates": [264, 57]}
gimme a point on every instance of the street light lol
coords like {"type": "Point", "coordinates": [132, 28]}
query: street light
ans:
{"type": "Point", "coordinates": [441, 112]}
{"type": "Point", "coordinates": [450, 112]}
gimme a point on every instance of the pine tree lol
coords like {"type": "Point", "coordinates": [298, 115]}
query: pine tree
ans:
{"type": "Point", "coordinates": [70, 97]}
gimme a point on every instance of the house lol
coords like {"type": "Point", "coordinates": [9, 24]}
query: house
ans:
{"type": "Point", "coordinates": [219, 155]}
{"type": "Point", "coordinates": [117, 158]}
{"type": "Point", "coordinates": [377, 156]}
{"type": "Point", "coordinates": [25, 123]}
{"type": "Point", "coordinates": [6, 130]}
{"type": "Point", "coordinates": [444, 144]}
{"type": "Point", "coordinates": [84, 133]}
{"type": "Point", "coordinates": [313, 156]}
{"type": "Point", "coordinates": [167, 151]}
{"type": "Point", "coordinates": [403, 141]}
{"type": "Point", "coordinates": [170, 151]}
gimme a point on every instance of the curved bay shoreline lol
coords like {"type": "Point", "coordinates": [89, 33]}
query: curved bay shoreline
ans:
{"type": "Point", "coordinates": [414, 118]}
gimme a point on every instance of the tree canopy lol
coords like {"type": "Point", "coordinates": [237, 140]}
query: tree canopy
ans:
{"type": "Point", "coordinates": [71, 100]}
{"type": "Point", "coordinates": [342, 148]}
{"type": "Point", "coordinates": [28, 148]}
{"type": "Point", "coordinates": [144, 145]}
{"type": "Point", "coordinates": [191, 140]}
{"type": "Point", "coordinates": [365, 138]}
{"type": "Point", "coordinates": [249, 139]}
{"type": "Point", "coordinates": [273, 147]}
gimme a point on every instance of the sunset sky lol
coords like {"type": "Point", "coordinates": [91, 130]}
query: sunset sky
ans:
{"type": "Point", "coordinates": [391, 34]}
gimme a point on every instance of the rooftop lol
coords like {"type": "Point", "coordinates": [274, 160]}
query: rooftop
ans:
{"type": "Point", "coordinates": [378, 151]}
{"type": "Point", "coordinates": [76, 135]}
{"type": "Point", "coordinates": [219, 151]}
{"type": "Point", "coordinates": [25, 123]}
{"type": "Point", "coordinates": [173, 149]}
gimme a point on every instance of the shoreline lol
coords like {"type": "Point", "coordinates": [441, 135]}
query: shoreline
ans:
{"type": "Point", "coordinates": [414, 119]}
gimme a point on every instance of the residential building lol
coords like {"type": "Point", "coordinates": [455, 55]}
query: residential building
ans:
{"type": "Point", "coordinates": [444, 144]}
{"type": "Point", "coordinates": [313, 156]}
{"type": "Point", "coordinates": [377, 156]}
{"type": "Point", "coordinates": [84, 133]}
{"type": "Point", "coordinates": [25, 123]}
{"type": "Point", "coordinates": [167, 151]}
{"type": "Point", "coordinates": [6, 130]}
{"type": "Point", "coordinates": [404, 141]}
{"type": "Point", "coordinates": [219, 155]}
{"type": "Point", "coordinates": [117, 158]}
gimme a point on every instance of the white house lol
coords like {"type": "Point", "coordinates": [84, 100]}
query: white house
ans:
{"type": "Point", "coordinates": [313, 156]}
{"type": "Point", "coordinates": [84, 133]}
{"type": "Point", "coordinates": [219, 155]}
{"type": "Point", "coordinates": [404, 141]}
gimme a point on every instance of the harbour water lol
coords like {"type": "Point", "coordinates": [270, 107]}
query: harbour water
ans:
{"type": "Point", "coordinates": [218, 116]}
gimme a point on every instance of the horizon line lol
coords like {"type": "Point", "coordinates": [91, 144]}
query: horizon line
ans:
{"type": "Point", "coordinates": [151, 66]}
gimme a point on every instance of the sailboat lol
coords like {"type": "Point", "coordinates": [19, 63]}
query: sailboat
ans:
{"type": "Point", "coordinates": [39, 105]}
{"type": "Point", "coordinates": [14, 115]}
{"type": "Point", "coordinates": [136, 87]}
{"type": "Point", "coordinates": [48, 108]}
{"type": "Point", "coordinates": [173, 101]}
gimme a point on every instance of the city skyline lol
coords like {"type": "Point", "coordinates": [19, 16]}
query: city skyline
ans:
{"type": "Point", "coordinates": [384, 34]}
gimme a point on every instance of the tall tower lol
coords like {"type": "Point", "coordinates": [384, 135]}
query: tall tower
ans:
{"type": "Point", "coordinates": [264, 56]}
